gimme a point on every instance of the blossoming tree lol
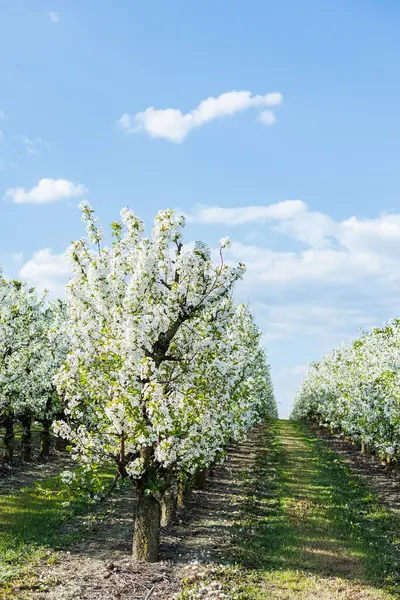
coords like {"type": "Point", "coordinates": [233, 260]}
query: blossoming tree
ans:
{"type": "Point", "coordinates": [354, 389]}
{"type": "Point", "coordinates": [47, 405]}
{"type": "Point", "coordinates": [157, 378]}
{"type": "Point", "coordinates": [20, 328]}
{"type": "Point", "coordinates": [33, 344]}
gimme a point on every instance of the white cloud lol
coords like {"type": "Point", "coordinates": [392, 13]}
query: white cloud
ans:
{"type": "Point", "coordinates": [247, 214]}
{"type": "Point", "coordinates": [307, 330]}
{"type": "Point", "coordinates": [174, 125]}
{"type": "Point", "coordinates": [53, 16]}
{"type": "Point", "coordinates": [311, 228]}
{"type": "Point", "coordinates": [345, 278]}
{"type": "Point", "coordinates": [311, 265]}
{"type": "Point", "coordinates": [29, 144]}
{"type": "Point", "coordinates": [46, 191]}
{"type": "Point", "coordinates": [308, 299]}
{"type": "Point", "coordinates": [33, 145]}
{"type": "Point", "coordinates": [297, 370]}
{"type": "Point", "coordinates": [267, 117]}
{"type": "Point", "coordinates": [47, 271]}
{"type": "Point", "coordinates": [380, 236]}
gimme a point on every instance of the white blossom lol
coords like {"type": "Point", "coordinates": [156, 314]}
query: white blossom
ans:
{"type": "Point", "coordinates": [355, 389]}
{"type": "Point", "coordinates": [163, 369]}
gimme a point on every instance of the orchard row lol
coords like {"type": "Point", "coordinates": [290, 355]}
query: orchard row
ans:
{"type": "Point", "coordinates": [149, 366]}
{"type": "Point", "coordinates": [355, 389]}
{"type": "Point", "coordinates": [33, 345]}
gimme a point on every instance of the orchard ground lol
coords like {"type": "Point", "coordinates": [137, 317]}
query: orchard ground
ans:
{"type": "Point", "coordinates": [285, 517]}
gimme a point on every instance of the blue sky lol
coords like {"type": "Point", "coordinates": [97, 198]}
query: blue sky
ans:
{"type": "Point", "coordinates": [319, 268]}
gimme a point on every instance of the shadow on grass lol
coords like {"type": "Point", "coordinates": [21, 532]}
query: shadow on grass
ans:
{"type": "Point", "coordinates": [283, 504]}
{"type": "Point", "coordinates": [290, 505]}
{"type": "Point", "coordinates": [34, 520]}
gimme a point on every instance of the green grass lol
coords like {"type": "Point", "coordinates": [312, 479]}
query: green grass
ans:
{"type": "Point", "coordinates": [33, 520]}
{"type": "Point", "coordinates": [308, 529]}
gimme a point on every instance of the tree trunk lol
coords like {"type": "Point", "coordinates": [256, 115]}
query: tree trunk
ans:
{"type": "Point", "coordinates": [363, 447]}
{"type": "Point", "coordinates": [45, 438]}
{"type": "Point", "coordinates": [146, 531]}
{"type": "Point", "coordinates": [200, 479]}
{"type": "Point", "coordinates": [211, 470]}
{"type": "Point", "coordinates": [9, 439]}
{"type": "Point", "coordinates": [26, 438]}
{"type": "Point", "coordinates": [168, 505]}
{"type": "Point", "coordinates": [183, 489]}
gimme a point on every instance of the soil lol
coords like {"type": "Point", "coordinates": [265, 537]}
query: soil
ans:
{"type": "Point", "coordinates": [383, 480]}
{"type": "Point", "coordinates": [99, 566]}
{"type": "Point", "coordinates": [19, 474]}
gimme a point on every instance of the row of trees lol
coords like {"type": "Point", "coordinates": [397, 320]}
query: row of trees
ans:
{"type": "Point", "coordinates": [33, 345]}
{"type": "Point", "coordinates": [355, 389]}
{"type": "Point", "coordinates": [155, 368]}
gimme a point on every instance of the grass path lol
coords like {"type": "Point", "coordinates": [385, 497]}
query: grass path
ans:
{"type": "Point", "coordinates": [308, 529]}
{"type": "Point", "coordinates": [284, 519]}
{"type": "Point", "coordinates": [37, 519]}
